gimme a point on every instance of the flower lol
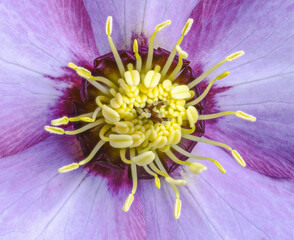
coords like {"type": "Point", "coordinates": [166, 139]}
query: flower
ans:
{"type": "Point", "coordinates": [254, 202]}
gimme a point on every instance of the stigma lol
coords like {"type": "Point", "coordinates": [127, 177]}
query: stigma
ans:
{"type": "Point", "coordinates": [145, 113]}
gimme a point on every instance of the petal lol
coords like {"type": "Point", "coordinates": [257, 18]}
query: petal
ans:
{"type": "Point", "coordinates": [240, 204]}
{"type": "Point", "coordinates": [37, 202]}
{"type": "Point", "coordinates": [137, 19]}
{"type": "Point", "coordinates": [40, 38]}
{"type": "Point", "coordinates": [260, 82]}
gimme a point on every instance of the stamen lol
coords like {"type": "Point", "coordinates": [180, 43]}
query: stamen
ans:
{"type": "Point", "coordinates": [61, 131]}
{"type": "Point", "coordinates": [187, 154]}
{"type": "Point", "coordinates": [182, 55]}
{"type": "Point", "coordinates": [175, 181]}
{"type": "Point", "coordinates": [158, 28]}
{"type": "Point", "coordinates": [130, 198]}
{"type": "Point", "coordinates": [74, 166]}
{"type": "Point", "coordinates": [156, 179]}
{"type": "Point", "coordinates": [171, 57]}
{"type": "Point", "coordinates": [86, 74]}
{"type": "Point", "coordinates": [137, 55]}
{"type": "Point", "coordinates": [117, 58]}
{"type": "Point", "coordinates": [122, 153]}
{"type": "Point", "coordinates": [60, 121]}
{"type": "Point", "coordinates": [102, 132]}
{"type": "Point", "coordinates": [203, 95]}
{"type": "Point", "coordinates": [110, 114]}
{"type": "Point", "coordinates": [234, 153]}
{"type": "Point", "coordinates": [238, 114]}
{"type": "Point", "coordinates": [175, 159]}
{"type": "Point", "coordinates": [144, 158]}
{"type": "Point", "coordinates": [209, 71]}
{"type": "Point", "coordinates": [197, 168]}
{"type": "Point", "coordinates": [177, 211]}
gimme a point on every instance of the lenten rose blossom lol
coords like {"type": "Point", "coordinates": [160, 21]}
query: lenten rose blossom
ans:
{"type": "Point", "coordinates": [38, 39]}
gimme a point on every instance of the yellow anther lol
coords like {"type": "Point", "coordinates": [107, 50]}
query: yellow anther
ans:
{"type": "Point", "coordinates": [55, 130]}
{"type": "Point", "coordinates": [72, 65]}
{"type": "Point", "coordinates": [209, 71]}
{"type": "Point", "coordinates": [223, 75]}
{"type": "Point", "coordinates": [177, 211]}
{"type": "Point", "coordinates": [121, 127]}
{"type": "Point", "coordinates": [137, 140]}
{"type": "Point", "coordinates": [157, 182]}
{"type": "Point", "coordinates": [238, 158]}
{"type": "Point", "coordinates": [144, 158]}
{"type": "Point", "coordinates": [68, 168]}
{"type": "Point", "coordinates": [180, 92]}
{"type": "Point", "coordinates": [234, 56]}
{"type": "Point", "coordinates": [158, 28]}
{"type": "Point", "coordinates": [197, 168]}
{"type": "Point", "coordinates": [175, 181]}
{"type": "Point", "coordinates": [60, 121]}
{"type": "Point", "coordinates": [82, 72]}
{"type": "Point", "coordinates": [128, 203]}
{"type": "Point", "coordinates": [187, 27]}
{"type": "Point", "coordinates": [166, 84]}
{"type": "Point", "coordinates": [132, 77]}
{"type": "Point", "coordinates": [110, 114]}
{"type": "Point", "coordinates": [182, 53]}
{"type": "Point", "coordinates": [137, 55]}
{"type": "Point", "coordinates": [120, 141]}
{"type": "Point", "coordinates": [117, 58]}
{"type": "Point", "coordinates": [108, 27]}
{"type": "Point", "coordinates": [163, 25]}
{"type": "Point", "coordinates": [135, 47]}
{"type": "Point", "coordinates": [87, 119]}
{"type": "Point", "coordinates": [151, 79]}
{"type": "Point", "coordinates": [192, 115]}
{"type": "Point", "coordinates": [219, 166]}
{"type": "Point", "coordinates": [203, 95]}
{"type": "Point", "coordinates": [244, 116]}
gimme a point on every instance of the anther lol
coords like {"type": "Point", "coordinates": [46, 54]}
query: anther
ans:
{"type": "Point", "coordinates": [158, 28]}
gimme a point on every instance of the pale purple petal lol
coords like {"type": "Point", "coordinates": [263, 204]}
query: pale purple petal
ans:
{"type": "Point", "coordinates": [37, 202]}
{"type": "Point", "coordinates": [137, 19]}
{"type": "Point", "coordinates": [38, 39]}
{"type": "Point", "coordinates": [260, 82]}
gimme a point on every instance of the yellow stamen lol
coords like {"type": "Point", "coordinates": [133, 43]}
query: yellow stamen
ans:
{"type": "Point", "coordinates": [117, 58]}
{"type": "Point", "coordinates": [158, 28]}
{"type": "Point", "coordinates": [209, 71]}
{"type": "Point", "coordinates": [120, 141]}
{"type": "Point", "coordinates": [177, 211]}
{"type": "Point", "coordinates": [137, 55]}
{"type": "Point", "coordinates": [187, 154]}
{"type": "Point", "coordinates": [55, 130]}
{"type": "Point", "coordinates": [197, 168]}
{"type": "Point", "coordinates": [74, 166]}
{"type": "Point", "coordinates": [182, 55]}
{"type": "Point", "coordinates": [156, 179]}
{"type": "Point", "coordinates": [103, 130]}
{"type": "Point", "coordinates": [203, 95]}
{"type": "Point", "coordinates": [175, 181]}
{"type": "Point", "coordinates": [144, 158]}
{"type": "Point", "coordinates": [110, 114]}
{"type": "Point", "coordinates": [234, 153]}
{"type": "Point", "coordinates": [128, 203]}
{"type": "Point", "coordinates": [171, 57]}
{"type": "Point", "coordinates": [122, 153]}
{"type": "Point", "coordinates": [86, 74]}
{"type": "Point", "coordinates": [60, 121]}
{"type": "Point", "coordinates": [245, 116]}
{"type": "Point", "coordinates": [175, 159]}
{"type": "Point", "coordinates": [68, 168]}
{"type": "Point", "coordinates": [86, 127]}
{"type": "Point", "coordinates": [238, 114]}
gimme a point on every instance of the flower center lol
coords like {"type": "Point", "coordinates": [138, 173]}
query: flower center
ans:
{"type": "Point", "coordinates": [147, 112]}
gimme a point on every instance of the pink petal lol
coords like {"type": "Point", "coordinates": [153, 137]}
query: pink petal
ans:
{"type": "Point", "coordinates": [39, 39]}
{"type": "Point", "coordinates": [137, 19]}
{"type": "Point", "coordinates": [260, 82]}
